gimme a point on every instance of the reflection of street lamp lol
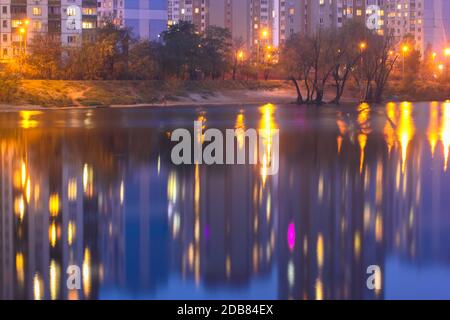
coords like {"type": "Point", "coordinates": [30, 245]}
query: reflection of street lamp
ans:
{"type": "Point", "coordinates": [405, 50]}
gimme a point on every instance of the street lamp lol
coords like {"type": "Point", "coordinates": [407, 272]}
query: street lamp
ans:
{"type": "Point", "coordinates": [264, 35]}
{"type": "Point", "coordinates": [241, 55]}
{"type": "Point", "coordinates": [405, 50]}
{"type": "Point", "coordinates": [447, 65]}
{"type": "Point", "coordinates": [362, 47]}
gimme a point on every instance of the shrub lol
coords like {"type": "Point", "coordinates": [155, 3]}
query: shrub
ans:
{"type": "Point", "coordinates": [9, 86]}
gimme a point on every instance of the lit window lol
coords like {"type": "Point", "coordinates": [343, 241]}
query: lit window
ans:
{"type": "Point", "coordinates": [37, 11]}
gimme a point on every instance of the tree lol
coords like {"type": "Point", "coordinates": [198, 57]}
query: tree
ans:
{"type": "Point", "coordinates": [101, 58]}
{"type": "Point", "coordinates": [181, 50]}
{"type": "Point", "coordinates": [295, 60]}
{"type": "Point", "coordinates": [238, 55]}
{"type": "Point", "coordinates": [216, 51]}
{"type": "Point", "coordinates": [347, 56]}
{"type": "Point", "coordinates": [43, 60]}
{"type": "Point", "coordinates": [143, 60]}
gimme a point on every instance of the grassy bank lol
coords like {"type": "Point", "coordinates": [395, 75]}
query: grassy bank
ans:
{"type": "Point", "coordinates": [105, 93]}
{"type": "Point", "coordinates": [418, 91]}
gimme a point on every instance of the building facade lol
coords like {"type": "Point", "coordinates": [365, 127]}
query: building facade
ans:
{"type": "Point", "coordinates": [425, 21]}
{"type": "Point", "coordinates": [67, 20]}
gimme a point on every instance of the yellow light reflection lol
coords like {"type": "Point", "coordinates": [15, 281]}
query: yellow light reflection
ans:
{"type": "Point", "coordinates": [23, 174]}
{"type": "Point", "coordinates": [389, 132]}
{"type": "Point", "coordinates": [88, 179]}
{"type": "Point", "coordinates": [19, 207]}
{"type": "Point", "coordinates": [365, 130]}
{"type": "Point", "coordinates": [240, 130]}
{"type": "Point", "coordinates": [445, 132]}
{"type": "Point", "coordinates": [55, 273]}
{"type": "Point", "coordinates": [320, 251]}
{"type": "Point", "coordinates": [71, 232]}
{"type": "Point", "coordinates": [357, 244]}
{"type": "Point", "coordinates": [319, 289]}
{"type": "Point", "coordinates": [433, 127]}
{"type": "Point", "coordinates": [38, 287]}
{"type": "Point", "coordinates": [121, 192]}
{"type": "Point", "coordinates": [266, 126]}
{"type": "Point", "coordinates": [52, 234]}
{"type": "Point", "coordinates": [20, 268]}
{"type": "Point", "coordinates": [72, 189]}
{"type": "Point", "coordinates": [28, 190]}
{"type": "Point", "coordinates": [26, 120]}
{"type": "Point", "coordinates": [405, 130]}
{"type": "Point", "coordinates": [87, 273]}
{"type": "Point", "coordinates": [53, 204]}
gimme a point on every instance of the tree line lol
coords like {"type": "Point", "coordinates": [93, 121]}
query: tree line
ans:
{"type": "Point", "coordinates": [327, 60]}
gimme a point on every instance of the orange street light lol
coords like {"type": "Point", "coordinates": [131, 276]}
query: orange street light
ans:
{"type": "Point", "coordinates": [433, 55]}
{"type": "Point", "coordinates": [362, 45]}
{"type": "Point", "coordinates": [241, 55]}
{"type": "Point", "coordinates": [22, 30]}
{"type": "Point", "coordinates": [265, 33]}
{"type": "Point", "coordinates": [441, 67]}
{"type": "Point", "coordinates": [405, 50]}
{"type": "Point", "coordinates": [447, 52]}
{"type": "Point", "coordinates": [269, 47]}
{"type": "Point", "coordinates": [27, 22]}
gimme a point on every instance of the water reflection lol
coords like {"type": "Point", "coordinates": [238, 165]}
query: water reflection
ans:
{"type": "Point", "coordinates": [356, 187]}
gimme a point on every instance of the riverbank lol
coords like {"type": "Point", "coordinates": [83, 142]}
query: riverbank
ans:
{"type": "Point", "coordinates": [35, 94]}
{"type": "Point", "coordinates": [56, 93]}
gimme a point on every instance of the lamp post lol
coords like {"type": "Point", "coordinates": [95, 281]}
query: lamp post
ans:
{"type": "Point", "coordinates": [362, 47]}
{"type": "Point", "coordinates": [405, 50]}
{"type": "Point", "coordinates": [23, 41]}
{"type": "Point", "coordinates": [447, 64]}
{"type": "Point", "coordinates": [264, 35]}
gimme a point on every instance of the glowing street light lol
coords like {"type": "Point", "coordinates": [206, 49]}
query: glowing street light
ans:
{"type": "Point", "coordinates": [265, 34]}
{"type": "Point", "coordinates": [240, 55]}
{"type": "Point", "coordinates": [362, 47]}
{"type": "Point", "coordinates": [22, 30]}
{"type": "Point", "coordinates": [447, 64]}
{"type": "Point", "coordinates": [405, 50]}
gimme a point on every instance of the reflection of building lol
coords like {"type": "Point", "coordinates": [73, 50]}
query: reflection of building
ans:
{"type": "Point", "coordinates": [366, 190]}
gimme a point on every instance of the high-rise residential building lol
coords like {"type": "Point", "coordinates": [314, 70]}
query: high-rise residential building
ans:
{"type": "Point", "coordinates": [194, 11]}
{"type": "Point", "coordinates": [20, 21]}
{"type": "Point", "coordinates": [425, 21]}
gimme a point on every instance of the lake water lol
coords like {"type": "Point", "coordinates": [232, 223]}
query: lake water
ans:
{"type": "Point", "coordinates": [95, 190]}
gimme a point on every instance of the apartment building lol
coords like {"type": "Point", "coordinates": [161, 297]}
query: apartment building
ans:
{"type": "Point", "coordinates": [193, 11]}
{"type": "Point", "coordinates": [21, 20]}
{"type": "Point", "coordinates": [425, 21]}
